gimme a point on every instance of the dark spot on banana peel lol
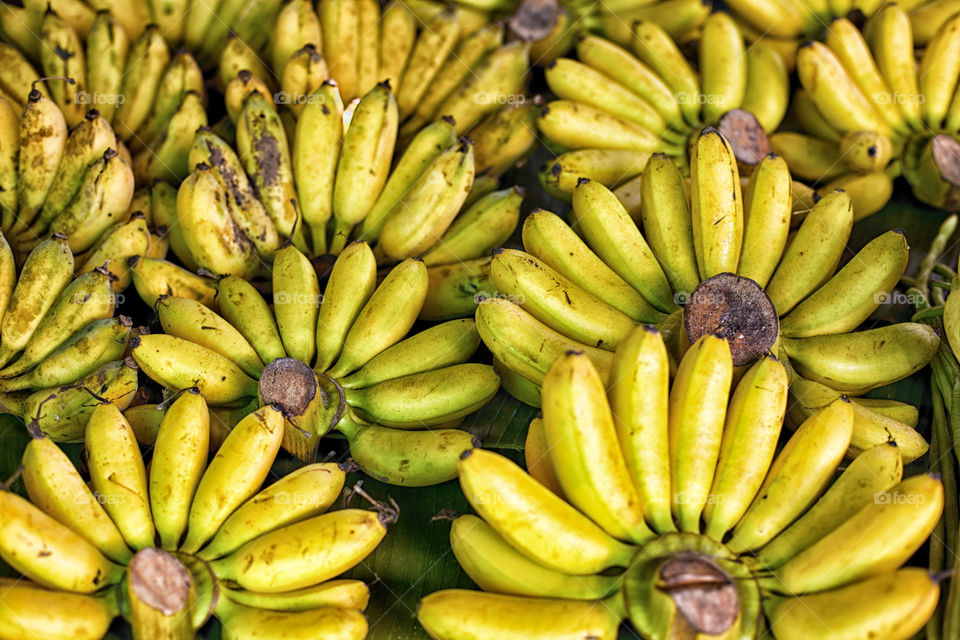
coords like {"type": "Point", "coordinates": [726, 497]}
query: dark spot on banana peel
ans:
{"type": "Point", "coordinates": [268, 154]}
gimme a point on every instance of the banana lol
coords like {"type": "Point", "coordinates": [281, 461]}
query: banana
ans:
{"type": "Point", "coordinates": [364, 163]}
{"type": "Point", "coordinates": [524, 344]}
{"type": "Point", "coordinates": [343, 593]}
{"type": "Point", "coordinates": [865, 151]}
{"type": "Point", "coordinates": [304, 553]}
{"type": "Point", "coordinates": [863, 360]}
{"type": "Point", "coordinates": [86, 144]}
{"type": "Point", "coordinates": [398, 33]}
{"type": "Point", "coordinates": [752, 428]}
{"type": "Point", "coordinates": [456, 614]}
{"type": "Point", "coordinates": [30, 611]}
{"type": "Point", "coordinates": [536, 454]}
{"type": "Point", "coordinates": [296, 297]}
{"type": "Point", "coordinates": [18, 77]}
{"type": "Point", "coordinates": [103, 198]}
{"type": "Point", "coordinates": [417, 158]}
{"type": "Point", "coordinates": [803, 470]}
{"type": "Point", "coordinates": [439, 346]}
{"type": "Point", "coordinates": [486, 224]}
{"type": "Point", "coordinates": [250, 25]}
{"type": "Point", "coordinates": [585, 449]}
{"type": "Point", "coordinates": [552, 241]}
{"type": "Point", "coordinates": [179, 457]}
{"type": "Point", "coordinates": [609, 167]}
{"type": "Point", "coordinates": [296, 25]}
{"type": "Point", "coordinates": [307, 492]}
{"type": "Point", "coordinates": [262, 148]}
{"type": "Point", "coordinates": [499, 79]}
{"type": "Point", "coordinates": [837, 96]}
{"type": "Point", "coordinates": [35, 544]}
{"type": "Point", "coordinates": [236, 57]}
{"type": "Point", "coordinates": [927, 19]}
{"type": "Point", "coordinates": [657, 49]}
{"type": "Point", "coordinates": [245, 208]}
{"type": "Point", "coordinates": [723, 66]}
{"type": "Point", "coordinates": [810, 119]}
{"type": "Point", "coordinates": [698, 403]}
{"type": "Point", "coordinates": [43, 136]}
{"type": "Point", "coordinates": [117, 472]}
{"type": "Point", "coordinates": [767, 209]}
{"type": "Point", "coordinates": [153, 278]}
{"type": "Point", "coordinates": [809, 157]}
{"type": "Point", "coordinates": [316, 152]}
{"type": "Point", "coordinates": [874, 471]}
{"type": "Point", "coordinates": [814, 252]}
{"type": "Point", "coordinates": [579, 83]}
{"type": "Point", "coordinates": [162, 210]}
{"type": "Point", "coordinates": [340, 24]}
{"type": "Point", "coordinates": [506, 137]}
{"type": "Point", "coordinates": [168, 157]}
{"type": "Point", "coordinates": [96, 344]}
{"type": "Point", "coordinates": [426, 399]}
{"type": "Point", "coordinates": [854, 293]}
{"type": "Point", "coordinates": [894, 409]}
{"type": "Point", "coordinates": [352, 281]}
{"type": "Point", "coordinates": [406, 458]}
{"type": "Point", "coordinates": [61, 413]}
{"type": "Point", "coordinates": [893, 606]}
{"type": "Point", "coordinates": [937, 74]}
{"type": "Point", "coordinates": [46, 272]}
{"type": "Point", "coordinates": [454, 290]}
{"type": "Point", "coordinates": [433, 47]}
{"type": "Point", "coordinates": [385, 318]}
{"type": "Point", "coordinates": [577, 126]}
{"type": "Point", "coordinates": [54, 485]}
{"type": "Point", "coordinates": [665, 215]}
{"type": "Point", "coordinates": [241, 86]}
{"type": "Point", "coordinates": [889, 35]}
{"type": "Point", "coordinates": [303, 75]}
{"type": "Point", "coordinates": [767, 94]}
{"type": "Point", "coordinates": [170, 17]}
{"type": "Point", "coordinates": [208, 26]}
{"type": "Point", "coordinates": [496, 566]}
{"type": "Point", "coordinates": [180, 364]}
{"type": "Point", "coordinates": [234, 474]}
{"type": "Point", "coordinates": [9, 165]}
{"type": "Point", "coordinates": [61, 56]}
{"type": "Point", "coordinates": [558, 302]}
{"type": "Point", "coordinates": [625, 68]}
{"type": "Point", "coordinates": [245, 309]}
{"type": "Point", "coordinates": [610, 232]}
{"type": "Point", "coordinates": [869, 192]}
{"type": "Point", "coordinates": [8, 277]}
{"type": "Point", "coordinates": [716, 205]}
{"type": "Point", "coordinates": [20, 25]}
{"type": "Point", "coordinates": [146, 62]}
{"type": "Point", "coordinates": [501, 493]}
{"type": "Point", "coordinates": [877, 539]}
{"type": "Point", "coordinates": [188, 319]}
{"type": "Point", "coordinates": [88, 298]}
{"type": "Point", "coordinates": [181, 76]}
{"type": "Point", "coordinates": [322, 622]}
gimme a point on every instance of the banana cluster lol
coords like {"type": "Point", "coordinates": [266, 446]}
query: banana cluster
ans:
{"type": "Point", "coordinates": [869, 112]}
{"type": "Point", "coordinates": [339, 359]}
{"type": "Point", "coordinates": [61, 347]}
{"type": "Point", "coordinates": [715, 261]}
{"type": "Point", "coordinates": [198, 26]}
{"type": "Point", "coordinates": [671, 507]}
{"type": "Point", "coordinates": [616, 107]}
{"type": "Point", "coordinates": [784, 24]}
{"type": "Point", "coordinates": [331, 186]}
{"type": "Point", "coordinates": [171, 544]}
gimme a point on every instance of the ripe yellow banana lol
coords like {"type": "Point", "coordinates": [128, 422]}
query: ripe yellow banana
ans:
{"type": "Point", "coordinates": [323, 622]}
{"type": "Point", "coordinates": [305, 72]}
{"type": "Point", "coordinates": [659, 51]}
{"type": "Point", "coordinates": [767, 93]}
{"type": "Point", "coordinates": [506, 137]}
{"type": "Point", "coordinates": [234, 474]}
{"type": "Point", "coordinates": [398, 33]}
{"type": "Point", "coordinates": [723, 66]}
{"type": "Point", "coordinates": [245, 309]}
{"type": "Point", "coordinates": [339, 21]}
{"type": "Point", "coordinates": [716, 205]}
{"type": "Point", "coordinates": [296, 298]}
{"type": "Point", "coordinates": [118, 244]}
{"type": "Point", "coordinates": [296, 25]}
{"type": "Point", "coordinates": [937, 74]}
{"type": "Point", "coordinates": [153, 278]}
{"type": "Point", "coordinates": [767, 210]}
{"type": "Point", "coordinates": [148, 57]}
{"type": "Point", "coordinates": [433, 46]}
{"type": "Point", "coordinates": [609, 167]}
{"type": "Point", "coordinates": [30, 611]}
{"type": "Point", "coordinates": [485, 225]}
{"type": "Point", "coordinates": [316, 151]}
{"type": "Point", "coordinates": [43, 136]}
{"type": "Point", "coordinates": [560, 538]}
{"type": "Point", "coordinates": [809, 157]}
{"type": "Point", "coordinates": [577, 126]}
{"type": "Point", "coordinates": [889, 34]}
{"type": "Point", "coordinates": [343, 593]}
{"type": "Point", "coordinates": [352, 281]}
{"type": "Point", "coordinates": [454, 290]}
{"type": "Point", "coordinates": [61, 56]}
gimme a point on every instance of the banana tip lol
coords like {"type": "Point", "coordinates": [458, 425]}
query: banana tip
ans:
{"type": "Point", "coordinates": [466, 454]}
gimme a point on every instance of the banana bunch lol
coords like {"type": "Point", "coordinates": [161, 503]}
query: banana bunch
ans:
{"type": "Point", "coordinates": [334, 183]}
{"type": "Point", "coordinates": [869, 113]}
{"type": "Point", "coordinates": [671, 507]}
{"type": "Point", "coordinates": [61, 347]}
{"type": "Point", "coordinates": [337, 358]}
{"type": "Point", "coordinates": [785, 25]}
{"type": "Point", "coordinates": [195, 25]}
{"type": "Point", "coordinates": [615, 107]}
{"type": "Point", "coordinates": [172, 543]}
{"type": "Point", "coordinates": [713, 258]}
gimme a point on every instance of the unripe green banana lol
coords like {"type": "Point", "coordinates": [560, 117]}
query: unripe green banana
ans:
{"type": "Point", "coordinates": [407, 458]}
{"type": "Point", "coordinates": [485, 225]}
{"type": "Point", "coordinates": [426, 399]}
{"type": "Point", "coordinates": [863, 360]}
{"type": "Point", "coordinates": [439, 346]}
{"type": "Point", "coordinates": [385, 318]}
{"type": "Point", "coordinates": [455, 289]}
{"type": "Point", "coordinates": [180, 364]}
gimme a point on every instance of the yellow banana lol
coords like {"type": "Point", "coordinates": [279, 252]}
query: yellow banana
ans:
{"type": "Point", "coordinates": [61, 55]}
{"type": "Point", "coordinates": [577, 126]}
{"type": "Point", "coordinates": [30, 611]}
{"type": "Point", "coordinates": [716, 205]}
{"type": "Point", "coordinates": [889, 34]}
{"type": "Point", "coordinates": [768, 86]}
{"type": "Point", "coordinates": [146, 61]}
{"type": "Point", "coordinates": [181, 76]}
{"type": "Point", "coordinates": [433, 46]}
{"type": "Point", "coordinates": [506, 137]}
{"type": "Point", "coordinates": [657, 49]}
{"type": "Point", "coordinates": [153, 278]}
{"type": "Point", "coordinates": [303, 75]}
{"type": "Point", "coordinates": [351, 283]}
{"type": "Point", "coordinates": [398, 33]}
{"type": "Point", "coordinates": [767, 209]}
{"type": "Point", "coordinates": [866, 151]}
{"type": "Point", "coordinates": [723, 66]}
{"type": "Point", "coordinates": [316, 151]}
{"type": "Point", "coordinates": [609, 167]}
{"type": "Point", "coordinates": [245, 309]}
{"type": "Point", "coordinates": [485, 225]}
{"type": "Point", "coordinates": [339, 20]}
{"type": "Point", "coordinates": [937, 74]}
{"type": "Point", "coordinates": [343, 593]}
{"type": "Point", "coordinates": [43, 136]}
{"type": "Point", "coordinates": [322, 622]}
{"type": "Point", "coordinates": [9, 155]}
{"type": "Point", "coordinates": [296, 25]}
{"type": "Point", "coordinates": [453, 290]}
{"type": "Point", "coordinates": [810, 158]}
{"type": "Point", "coordinates": [296, 298]}
{"type": "Point", "coordinates": [118, 244]}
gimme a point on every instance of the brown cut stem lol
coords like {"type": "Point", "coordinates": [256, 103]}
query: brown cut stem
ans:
{"type": "Point", "coordinates": [158, 589]}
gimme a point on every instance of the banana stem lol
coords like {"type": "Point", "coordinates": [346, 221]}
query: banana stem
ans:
{"type": "Point", "coordinates": [936, 249]}
{"type": "Point", "coordinates": [158, 588]}
{"type": "Point", "coordinates": [944, 271]}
